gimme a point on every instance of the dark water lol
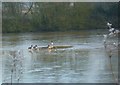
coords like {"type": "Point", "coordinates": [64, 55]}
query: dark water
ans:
{"type": "Point", "coordinates": [86, 62]}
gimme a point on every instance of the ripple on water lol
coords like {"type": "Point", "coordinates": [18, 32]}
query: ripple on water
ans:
{"type": "Point", "coordinates": [84, 62]}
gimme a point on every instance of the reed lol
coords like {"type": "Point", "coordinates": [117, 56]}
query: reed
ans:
{"type": "Point", "coordinates": [16, 65]}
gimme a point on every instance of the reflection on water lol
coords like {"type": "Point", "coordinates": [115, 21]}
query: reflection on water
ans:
{"type": "Point", "coordinates": [85, 62]}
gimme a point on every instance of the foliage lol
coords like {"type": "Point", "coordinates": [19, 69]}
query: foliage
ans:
{"type": "Point", "coordinates": [57, 16]}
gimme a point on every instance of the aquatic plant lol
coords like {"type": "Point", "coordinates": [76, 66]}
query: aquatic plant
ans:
{"type": "Point", "coordinates": [16, 65]}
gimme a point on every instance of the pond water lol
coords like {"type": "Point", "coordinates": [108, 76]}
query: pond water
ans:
{"type": "Point", "coordinates": [85, 62]}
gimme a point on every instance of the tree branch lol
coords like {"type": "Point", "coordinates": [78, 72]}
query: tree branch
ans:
{"type": "Point", "coordinates": [29, 9]}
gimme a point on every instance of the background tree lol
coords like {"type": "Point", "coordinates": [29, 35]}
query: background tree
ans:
{"type": "Point", "coordinates": [57, 16]}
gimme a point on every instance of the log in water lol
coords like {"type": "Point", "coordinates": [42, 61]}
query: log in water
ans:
{"type": "Point", "coordinates": [57, 47]}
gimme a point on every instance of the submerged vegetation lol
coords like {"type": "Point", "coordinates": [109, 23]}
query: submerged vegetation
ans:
{"type": "Point", "coordinates": [64, 16]}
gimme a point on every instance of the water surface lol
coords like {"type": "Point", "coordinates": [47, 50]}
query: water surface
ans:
{"type": "Point", "coordinates": [86, 62]}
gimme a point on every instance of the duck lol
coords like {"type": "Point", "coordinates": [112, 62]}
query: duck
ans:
{"type": "Point", "coordinates": [49, 47]}
{"type": "Point", "coordinates": [30, 47]}
{"type": "Point", "coordinates": [112, 30]}
{"type": "Point", "coordinates": [51, 44]}
{"type": "Point", "coordinates": [109, 25]}
{"type": "Point", "coordinates": [35, 47]}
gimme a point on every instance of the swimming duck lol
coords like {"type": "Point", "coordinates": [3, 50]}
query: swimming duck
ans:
{"type": "Point", "coordinates": [109, 25]}
{"type": "Point", "coordinates": [49, 47]}
{"type": "Point", "coordinates": [35, 47]}
{"type": "Point", "coordinates": [51, 44]}
{"type": "Point", "coordinates": [30, 47]}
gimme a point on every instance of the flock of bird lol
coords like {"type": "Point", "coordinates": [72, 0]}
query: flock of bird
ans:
{"type": "Point", "coordinates": [33, 47]}
{"type": "Point", "coordinates": [36, 47]}
{"type": "Point", "coordinates": [112, 32]}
